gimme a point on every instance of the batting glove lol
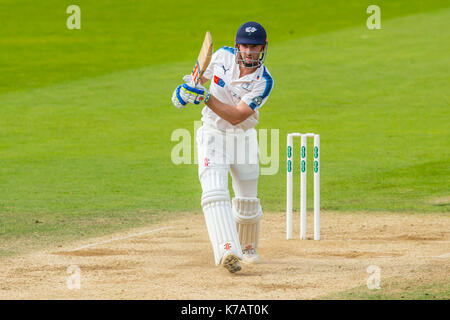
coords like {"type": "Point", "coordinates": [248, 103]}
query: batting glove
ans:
{"type": "Point", "coordinates": [177, 100]}
{"type": "Point", "coordinates": [194, 95]}
{"type": "Point", "coordinates": [187, 78]}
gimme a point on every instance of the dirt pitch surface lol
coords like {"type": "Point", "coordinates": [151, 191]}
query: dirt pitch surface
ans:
{"type": "Point", "coordinates": [173, 260]}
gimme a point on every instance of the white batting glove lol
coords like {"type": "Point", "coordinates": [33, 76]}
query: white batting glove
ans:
{"type": "Point", "coordinates": [186, 93]}
{"type": "Point", "coordinates": [177, 99]}
{"type": "Point", "coordinates": [187, 78]}
{"type": "Point", "coordinates": [194, 95]}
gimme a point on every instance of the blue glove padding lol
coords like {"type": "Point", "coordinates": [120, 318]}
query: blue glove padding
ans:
{"type": "Point", "coordinates": [194, 95]}
{"type": "Point", "coordinates": [177, 100]}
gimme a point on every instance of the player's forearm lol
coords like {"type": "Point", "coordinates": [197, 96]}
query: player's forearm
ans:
{"type": "Point", "coordinates": [203, 80]}
{"type": "Point", "coordinates": [227, 112]}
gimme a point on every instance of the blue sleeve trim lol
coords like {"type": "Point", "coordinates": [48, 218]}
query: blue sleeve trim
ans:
{"type": "Point", "coordinates": [229, 49]}
{"type": "Point", "coordinates": [269, 83]}
{"type": "Point", "coordinates": [267, 90]}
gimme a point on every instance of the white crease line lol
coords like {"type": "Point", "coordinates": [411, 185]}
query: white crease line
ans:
{"type": "Point", "coordinates": [121, 238]}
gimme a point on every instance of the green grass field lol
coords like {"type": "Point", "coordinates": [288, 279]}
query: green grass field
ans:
{"type": "Point", "coordinates": [86, 116]}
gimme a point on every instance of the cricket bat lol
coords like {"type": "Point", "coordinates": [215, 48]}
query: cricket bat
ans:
{"type": "Point", "coordinates": [203, 60]}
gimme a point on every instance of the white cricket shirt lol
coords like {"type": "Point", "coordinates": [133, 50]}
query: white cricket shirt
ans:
{"type": "Point", "coordinates": [254, 89]}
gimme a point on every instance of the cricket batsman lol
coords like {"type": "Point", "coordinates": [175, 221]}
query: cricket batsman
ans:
{"type": "Point", "coordinates": [240, 86]}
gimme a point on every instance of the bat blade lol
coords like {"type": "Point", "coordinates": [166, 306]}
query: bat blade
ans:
{"type": "Point", "coordinates": [203, 60]}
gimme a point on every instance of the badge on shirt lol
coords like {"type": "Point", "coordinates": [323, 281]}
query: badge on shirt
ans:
{"type": "Point", "coordinates": [246, 86]}
{"type": "Point", "coordinates": [219, 81]}
{"type": "Point", "coordinates": [257, 100]}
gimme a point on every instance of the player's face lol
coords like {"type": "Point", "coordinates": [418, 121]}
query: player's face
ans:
{"type": "Point", "coordinates": [250, 52]}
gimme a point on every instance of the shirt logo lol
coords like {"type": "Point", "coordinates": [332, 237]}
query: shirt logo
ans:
{"type": "Point", "coordinates": [250, 29]}
{"type": "Point", "coordinates": [225, 70]}
{"type": "Point", "coordinates": [219, 81]}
